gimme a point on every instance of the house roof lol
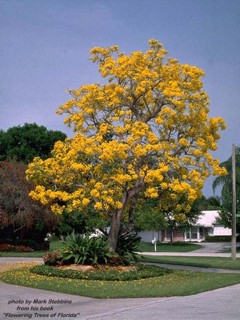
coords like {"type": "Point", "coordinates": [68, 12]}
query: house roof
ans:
{"type": "Point", "coordinates": [208, 218]}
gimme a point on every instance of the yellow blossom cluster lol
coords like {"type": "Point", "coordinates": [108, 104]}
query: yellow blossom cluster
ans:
{"type": "Point", "coordinates": [146, 131]}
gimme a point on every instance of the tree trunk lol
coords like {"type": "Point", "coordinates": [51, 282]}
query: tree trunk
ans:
{"type": "Point", "coordinates": [116, 219]}
{"type": "Point", "coordinates": [114, 230]}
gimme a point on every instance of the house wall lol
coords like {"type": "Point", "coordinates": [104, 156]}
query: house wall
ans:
{"type": "Point", "coordinates": [219, 230]}
{"type": "Point", "coordinates": [205, 226]}
{"type": "Point", "coordinates": [196, 233]}
{"type": "Point", "coordinates": [149, 235]}
{"type": "Point", "coordinates": [178, 235]}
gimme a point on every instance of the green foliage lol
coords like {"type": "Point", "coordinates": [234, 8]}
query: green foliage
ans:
{"type": "Point", "coordinates": [21, 216]}
{"type": "Point", "coordinates": [127, 245]}
{"type": "Point", "coordinates": [115, 259]}
{"type": "Point", "coordinates": [218, 238]}
{"type": "Point", "coordinates": [24, 143]}
{"type": "Point", "coordinates": [136, 273]}
{"type": "Point", "coordinates": [53, 258]}
{"type": "Point", "coordinates": [147, 216]}
{"type": "Point", "coordinates": [203, 203]}
{"type": "Point", "coordinates": [25, 242]}
{"type": "Point", "coordinates": [225, 183]}
{"type": "Point", "coordinates": [6, 247]}
{"type": "Point", "coordinates": [83, 249]}
{"type": "Point", "coordinates": [70, 223]}
{"type": "Point", "coordinates": [93, 250]}
{"type": "Point", "coordinates": [79, 222]}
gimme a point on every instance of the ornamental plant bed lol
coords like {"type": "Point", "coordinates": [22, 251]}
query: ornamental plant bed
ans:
{"type": "Point", "coordinates": [102, 272]}
{"type": "Point", "coordinates": [86, 268]}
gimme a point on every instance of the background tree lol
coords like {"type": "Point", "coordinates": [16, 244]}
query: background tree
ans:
{"type": "Point", "coordinates": [225, 183]}
{"type": "Point", "coordinates": [147, 216]}
{"type": "Point", "coordinates": [145, 133]}
{"type": "Point", "coordinates": [24, 143]}
{"type": "Point", "coordinates": [203, 203]}
{"type": "Point", "coordinates": [18, 212]}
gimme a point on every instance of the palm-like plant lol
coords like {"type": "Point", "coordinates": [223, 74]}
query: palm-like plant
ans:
{"type": "Point", "coordinates": [225, 182]}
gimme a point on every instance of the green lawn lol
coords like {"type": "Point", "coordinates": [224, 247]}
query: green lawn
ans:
{"type": "Point", "coordinates": [227, 250]}
{"type": "Point", "coordinates": [169, 247]}
{"type": "Point", "coordinates": [206, 262]}
{"type": "Point", "coordinates": [177, 283]}
{"type": "Point", "coordinates": [143, 247]}
{"type": "Point", "coordinates": [34, 254]}
{"type": "Point", "coordinates": [54, 245]}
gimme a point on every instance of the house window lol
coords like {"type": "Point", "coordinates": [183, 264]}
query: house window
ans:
{"type": "Point", "coordinates": [192, 234]}
{"type": "Point", "coordinates": [168, 235]}
{"type": "Point", "coordinates": [188, 235]}
{"type": "Point", "coordinates": [210, 231]}
{"type": "Point", "coordinates": [194, 231]}
{"type": "Point", "coordinates": [201, 232]}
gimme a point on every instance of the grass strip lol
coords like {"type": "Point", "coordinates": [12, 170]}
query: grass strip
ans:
{"type": "Point", "coordinates": [205, 262]}
{"type": "Point", "coordinates": [169, 247]}
{"type": "Point", "coordinates": [34, 254]}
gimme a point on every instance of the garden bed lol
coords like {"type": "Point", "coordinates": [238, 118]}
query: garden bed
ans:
{"type": "Point", "coordinates": [86, 268]}
{"type": "Point", "coordinates": [101, 272]}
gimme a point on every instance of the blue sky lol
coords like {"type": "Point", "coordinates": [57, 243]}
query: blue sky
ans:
{"type": "Point", "coordinates": [44, 50]}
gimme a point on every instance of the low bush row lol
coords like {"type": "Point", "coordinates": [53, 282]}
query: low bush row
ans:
{"type": "Point", "coordinates": [6, 247]}
{"type": "Point", "coordinates": [138, 272]}
{"type": "Point", "coordinates": [36, 246]}
{"type": "Point", "coordinates": [220, 238]}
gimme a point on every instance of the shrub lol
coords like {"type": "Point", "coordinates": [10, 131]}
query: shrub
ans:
{"type": "Point", "coordinates": [53, 258]}
{"type": "Point", "coordinates": [4, 241]}
{"type": "Point", "coordinates": [218, 238]}
{"type": "Point", "coordinates": [140, 272]}
{"type": "Point", "coordinates": [6, 247]}
{"type": "Point", "coordinates": [26, 242]}
{"type": "Point", "coordinates": [85, 250]}
{"type": "Point", "coordinates": [128, 243]}
{"type": "Point", "coordinates": [115, 259]}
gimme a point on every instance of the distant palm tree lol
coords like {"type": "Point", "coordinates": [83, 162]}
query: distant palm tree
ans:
{"type": "Point", "coordinates": [225, 182]}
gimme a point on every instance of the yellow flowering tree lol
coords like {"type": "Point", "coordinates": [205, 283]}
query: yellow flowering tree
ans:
{"type": "Point", "coordinates": [143, 133]}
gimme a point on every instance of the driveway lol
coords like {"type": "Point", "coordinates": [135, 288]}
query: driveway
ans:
{"type": "Point", "coordinates": [214, 247]}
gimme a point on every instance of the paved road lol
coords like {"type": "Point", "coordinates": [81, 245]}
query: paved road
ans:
{"type": "Point", "coordinates": [220, 304]}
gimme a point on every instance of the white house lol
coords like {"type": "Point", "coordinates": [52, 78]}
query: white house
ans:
{"type": "Point", "coordinates": [206, 225]}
